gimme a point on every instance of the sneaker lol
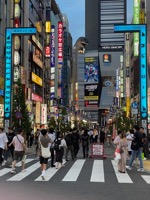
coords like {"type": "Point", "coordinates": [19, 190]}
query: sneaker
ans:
{"type": "Point", "coordinates": [23, 170]}
{"type": "Point", "coordinates": [141, 170]}
{"type": "Point", "coordinates": [43, 178]}
{"type": "Point", "coordinates": [128, 167]}
{"type": "Point", "coordinates": [12, 172]}
{"type": "Point", "coordinates": [4, 163]}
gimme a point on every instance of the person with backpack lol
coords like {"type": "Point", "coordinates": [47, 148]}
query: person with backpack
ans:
{"type": "Point", "coordinates": [70, 147]}
{"type": "Point", "coordinates": [136, 147]}
{"type": "Point", "coordinates": [59, 145]}
{"type": "Point", "coordinates": [85, 143]}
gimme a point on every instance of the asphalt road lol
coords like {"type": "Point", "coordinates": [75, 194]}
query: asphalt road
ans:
{"type": "Point", "coordinates": [90, 179]}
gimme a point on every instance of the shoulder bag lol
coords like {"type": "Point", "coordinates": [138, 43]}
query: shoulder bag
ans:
{"type": "Point", "coordinates": [23, 145]}
{"type": "Point", "coordinates": [45, 151]}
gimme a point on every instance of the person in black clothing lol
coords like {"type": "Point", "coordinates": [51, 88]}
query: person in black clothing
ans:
{"type": "Point", "coordinates": [76, 141]}
{"type": "Point", "coordinates": [70, 147]}
{"type": "Point", "coordinates": [10, 149]}
{"type": "Point", "coordinates": [144, 143]}
{"type": "Point", "coordinates": [52, 136]}
{"type": "Point", "coordinates": [102, 136]}
{"type": "Point", "coordinates": [85, 143]}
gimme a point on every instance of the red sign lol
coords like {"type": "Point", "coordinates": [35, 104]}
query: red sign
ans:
{"type": "Point", "coordinates": [35, 97]}
{"type": "Point", "coordinates": [60, 42]}
{"type": "Point", "coordinates": [47, 51]}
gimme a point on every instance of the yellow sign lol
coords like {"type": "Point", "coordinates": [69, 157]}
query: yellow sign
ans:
{"type": "Point", "coordinates": [91, 98]}
{"type": "Point", "coordinates": [48, 27]}
{"type": "Point", "coordinates": [36, 79]}
{"type": "Point", "coordinates": [128, 103]}
{"type": "Point", "coordinates": [142, 17]}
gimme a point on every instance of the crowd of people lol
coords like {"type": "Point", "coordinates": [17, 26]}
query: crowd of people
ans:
{"type": "Point", "coordinates": [131, 146]}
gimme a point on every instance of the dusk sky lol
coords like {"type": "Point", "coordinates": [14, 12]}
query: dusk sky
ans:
{"type": "Point", "coordinates": [75, 11]}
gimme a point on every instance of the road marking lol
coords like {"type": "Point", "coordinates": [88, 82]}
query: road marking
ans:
{"type": "Point", "coordinates": [74, 171]}
{"type": "Point", "coordinates": [22, 175]}
{"type": "Point", "coordinates": [122, 178]}
{"type": "Point", "coordinates": [97, 171]}
{"type": "Point", "coordinates": [146, 178]}
{"type": "Point", "coordinates": [50, 172]}
{"type": "Point", "coordinates": [7, 170]}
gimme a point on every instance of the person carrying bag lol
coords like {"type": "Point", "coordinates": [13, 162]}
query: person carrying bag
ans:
{"type": "Point", "coordinates": [44, 151]}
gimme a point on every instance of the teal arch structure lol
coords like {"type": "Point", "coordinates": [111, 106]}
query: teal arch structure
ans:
{"type": "Point", "coordinates": [9, 32]}
{"type": "Point", "coordinates": [142, 29]}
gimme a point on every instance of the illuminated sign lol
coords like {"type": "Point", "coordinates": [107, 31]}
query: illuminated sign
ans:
{"type": "Point", "coordinates": [47, 51]}
{"type": "Point", "coordinates": [53, 46]}
{"type": "Point", "coordinates": [36, 79]}
{"type": "Point", "coordinates": [48, 27]}
{"type": "Point", "coordinates": [60, 42]}
{"type": "Point", "coordinates": [106, 58]}
{"type": "Point", "coordinates": [8, 63]}
{"type": "Point", "coordinates": [142, 29]}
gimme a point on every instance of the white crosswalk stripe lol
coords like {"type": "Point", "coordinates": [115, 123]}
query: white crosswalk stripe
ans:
{"type": "Point", "coordinates": [96, 172]}
{"type": "Point", "coordinates": [74, 172]}
{"type": "Point", "coordinates": [122, 178]}
{"type": "Point", "coordinates": [7, 170]}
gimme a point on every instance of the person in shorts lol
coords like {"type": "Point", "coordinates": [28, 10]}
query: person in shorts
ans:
{"type": "Point", "coordinates": [18, 142]}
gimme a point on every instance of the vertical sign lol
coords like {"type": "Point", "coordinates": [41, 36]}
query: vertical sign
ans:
{"type": "Point", "coordinates": [8, 65]}
{"type": "Point", "coordinates": [43, 113]}
{"type": "Point", "coordinates": [142, 29]}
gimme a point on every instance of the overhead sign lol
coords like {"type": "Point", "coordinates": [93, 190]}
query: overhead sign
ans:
{"type": "Point", "coordinates": [8, 63]}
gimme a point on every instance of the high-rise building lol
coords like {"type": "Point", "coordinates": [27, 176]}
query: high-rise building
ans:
{"type": "Point", "coordinates": [100, 17]}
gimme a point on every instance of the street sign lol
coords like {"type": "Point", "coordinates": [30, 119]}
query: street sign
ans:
{"type": "Point", "coordinates": [134, 105]}
{"type": "Point", "coordinates": [18, 115]}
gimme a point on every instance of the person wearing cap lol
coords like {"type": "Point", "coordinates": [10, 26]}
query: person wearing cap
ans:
{"type": "Point", "coordinates": [136, 147]}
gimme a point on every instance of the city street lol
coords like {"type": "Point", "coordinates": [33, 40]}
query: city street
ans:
{"type": "Point", "coordinates": [80, 179]}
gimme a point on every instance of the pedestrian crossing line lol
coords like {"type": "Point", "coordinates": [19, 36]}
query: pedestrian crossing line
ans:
{"type": "Point", "coordinates": [97, 171]}
{"type": "Point", "coordinates": [50, 172]}
{"type": "Point", "coordinates": [121, 177]}
{"type": "Point", "coordinates": [146, 178]}
{"type": "Point", "coordinates": [22, 175]}
{"type": "Point", "coordinates": [74, 171]}
{"type": "Point", "coordinates": [7, 170]}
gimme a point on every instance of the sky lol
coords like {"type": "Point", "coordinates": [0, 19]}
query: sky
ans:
{"type": "Point", "coordinates": [75, 11]}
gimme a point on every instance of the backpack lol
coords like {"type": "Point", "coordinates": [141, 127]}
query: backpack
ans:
{"type": "Point", "coordinates": [69, 139]}
{"type": "Point", "coordinates": [57, 142]}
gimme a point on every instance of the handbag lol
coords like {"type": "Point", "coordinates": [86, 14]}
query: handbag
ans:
{"type": "Point", "coordinates": [45, 151]}
{"type": "Point", "coordinates": [23, 145]}
{"type": "Point", "coordinates": [121, 150]}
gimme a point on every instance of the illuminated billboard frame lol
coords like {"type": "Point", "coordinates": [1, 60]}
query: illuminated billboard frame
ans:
{"type": "Point", "coordinates": [142, 29]}
{"type": "Point", "coordinates": [9, 32]}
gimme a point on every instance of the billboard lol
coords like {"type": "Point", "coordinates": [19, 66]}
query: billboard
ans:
{"type": "Point", "coordinates": [108, 81]}
{"type": "Point", "coordinates": [91, 92]}
{"type": "Point", "coordinates": [91, 69]}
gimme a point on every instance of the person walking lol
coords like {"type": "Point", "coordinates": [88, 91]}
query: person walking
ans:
{"type": "Point", "coordinates": [144, 143]}
{"type": "Point", "coordinates": [70, 147]}
{"type": "Point", "coordinates": [76, 141]}
{"type": "Point", "coordinates": [44, 140]}
{"type": "Point", "coordinates": [102, 136]}
{"type": "Point", "coordinates": [52, 136]}
{"type": "Point", "coordinates": [136, 147]}
{"type": "Point", "coordinates": [122, 146]}
{"type": "Point", "coordinates": [3, 145]}
{"type": "Point", "coordinates": [85, 143]}
{"type": "Point", "coordinates": [19, 152]}
{"type": "Point", "coordinates": [10, 149]}
{"type": "Point", "coordinates": [59, 145]}
{"type": "Point", "coordinates": [129, 139]}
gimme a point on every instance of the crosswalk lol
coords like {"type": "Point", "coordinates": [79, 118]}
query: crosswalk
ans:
{"type": "Point", "coordinates": [96, 172]}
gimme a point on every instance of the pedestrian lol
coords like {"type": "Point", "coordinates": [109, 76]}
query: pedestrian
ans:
{"type": "Point", "coordinates": [76, 141]}
{"type": "Point", "coordinates": [136, 147]}
{"type": "Point", "coordinates": [19, 145]}
{"type": "Point", "coordinates": [10, 149]}
{"type": "Point", "coordinates": [85, 143]}
{"type": "Point", "coordinates": [144, 143]}
{"type": "Point", "coordinates": [31, 137]}
{"type": "Point", "coordinates": [117, 138]}
{"type": "Point", "coordinates": [3, 144]}
{"type": "Point", "coordinates": [44, 140]}
{"type": "Point", "coordinates": [102, 136]}
{"type": "Point", "coordinates": [52, 136]}
{"type": "Point", "coordinates": [37, 135]}
{"type": "Point", "coordinates": [129, 138]}
{"type": "Point", "coordinates": [122, 146]}
{"type": "Point", "coordinates": [70, 147]}
{"type": "Point", "coordinates": [59, 145]}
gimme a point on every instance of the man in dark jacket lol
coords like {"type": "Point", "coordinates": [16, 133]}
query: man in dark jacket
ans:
{"type": "Point", "coordinates": [136, 147]}
{"type": "Point", "coordinates": [69, 141]}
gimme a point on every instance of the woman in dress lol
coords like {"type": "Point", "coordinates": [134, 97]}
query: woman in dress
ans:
{"type": "Point", "coordinates": [122, 145]}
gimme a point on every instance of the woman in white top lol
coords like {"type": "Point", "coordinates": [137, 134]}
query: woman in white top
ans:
{"type": "Point", "coordinates": [129, 141]}
{"type": "Point", "coordinates": [3, 144]}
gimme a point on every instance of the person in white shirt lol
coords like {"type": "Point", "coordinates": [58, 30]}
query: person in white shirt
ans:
{"type": "Point", "coordinates": [18, 142]}
{"type": "Point", "coordinates": [129, 141]}
{"type": "Point", "coordinates": [3, 144]}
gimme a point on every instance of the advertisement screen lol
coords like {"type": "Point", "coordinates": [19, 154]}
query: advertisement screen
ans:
{"type": "Point", "coordinates": [91, 69]}
{"type": "Point", "coordinates": [91, 92]}
{"type": "Point", "coordinates": [108, 81]}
